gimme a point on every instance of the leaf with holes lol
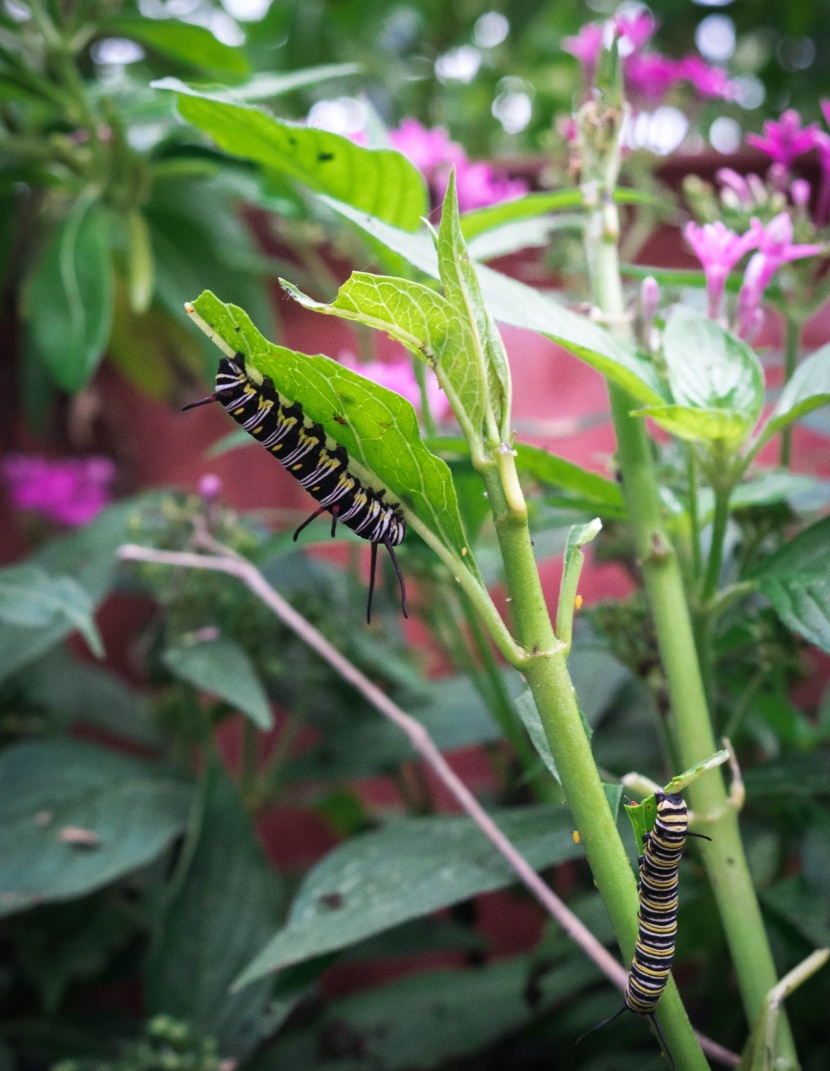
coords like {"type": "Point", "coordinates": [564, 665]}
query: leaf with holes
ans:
{"type": "Point", "coordinates": [380, 181]}
{"type": "Point", "coordinates": [378, 428]}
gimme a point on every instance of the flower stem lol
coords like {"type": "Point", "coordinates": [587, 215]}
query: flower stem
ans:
{"type": "Point", "coordinates": [793, 342]}
{"type": "Point", "coordinates": [690, 723]}
{"type": "Point", "coordinates": [546, 672]}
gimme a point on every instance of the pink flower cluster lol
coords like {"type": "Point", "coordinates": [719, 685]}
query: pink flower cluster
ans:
{"type": "Point", "coordinates": [785, 140]}
{"type": "Point", "coordinates": [648, 75]}
{"type": "Point", "coordinates": [719, 249]}
{"type": "Point", "coordinates": [398, 376]}
{"type": "Point", "coordinates": [435, 154]}
{"type": "Point", "coordinates": [70, 492]}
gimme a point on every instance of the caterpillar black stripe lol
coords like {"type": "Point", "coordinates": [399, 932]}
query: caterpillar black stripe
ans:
{"type": "Point", "coordinates": [657, 916]}
{"type": "Point", "coordinates": [320, 465]}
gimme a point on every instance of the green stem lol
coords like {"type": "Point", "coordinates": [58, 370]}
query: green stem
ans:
{"type": "Point", "coordinates": [546, 672]}
{"type": "Point", "coordinates": [713, 567]}
{"type": "Point", "coordinates": [694, 514]}
{"type": "Point", "coordinates": [793, 342]}
{"type": "Point", "coordinates": [690, 723]}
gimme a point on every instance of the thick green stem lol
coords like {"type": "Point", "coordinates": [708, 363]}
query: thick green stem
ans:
{"type": "Point", "coordinates": [790, 360]}
{"type": "Point", "coordinates": [546, 672]}
{"type": "Point", "coordinates": [690, 724]}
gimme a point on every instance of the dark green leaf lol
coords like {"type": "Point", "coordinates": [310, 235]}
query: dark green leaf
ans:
{"type": "Point", "coordinates": [222, 667]}
{"type": "Point", "coordinates": [529, 713]}
{"type": "Point", "coordinates": [378, 427]}
{"type": "Point", "coordinates": [69, 305]}
{"type": "Point", "coordinates": [805, 909]}
{"type": "Point", "coordinates": [796, 580]}
{"type": "Point", "coordinates": [798, 775]}
{"type": "Point", "coordinates": [511, 302]}
{"type": "Point", "coordinates": [74, 817]}
{"type": "Point", "coordinates": [31, 598]}
{"type": "Point", "coordinates": [225, 904]}
{"type": "Point", "coordinates": [406, 870]}
{"type": "Point", "coordinates": [432, 1019]}
{"type": "Point", "coordinates": [183, 41]}
{"type": "Point", "coordinates": [808, 389]}
{"type": "Point", "coordinates": [379, 181]}
{"type": "Point", "coordinates": [710, 369]}
{"type": "Point", "coordinates": [554, 471]}
{"type": "Point", "coordinates": [77, 691]}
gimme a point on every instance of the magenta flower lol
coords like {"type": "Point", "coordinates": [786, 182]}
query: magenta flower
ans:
{"type": "Point", "coordinates": [70, 492]}
{"type": "Point", "coordinates": [735, 182]}
{"type": "Point", "coordinates": [821, 142]}
{"type": "Point", "coordinates": [478, 186]}
{"type": "Point", "coordinates": [775, 248]}
{"type": "Point", "coordinates": [710, 82]}
{"type": "Point", "coordinates": [718, 249]}
{"type": "Point", "coordinates": [586, 47]}
{"type": "Point", "coordinates": [785, 140]}
{"type": "Point", "coordinates": [636, 29]}
{"type": "Point", "coordinates": [426, 148]}
{"type": "Point", "coordinates": [800, 192]}
{"type": "Point", "coordinates": [651, 75]}
{"type": "Point", "coordinates": [398, 376]}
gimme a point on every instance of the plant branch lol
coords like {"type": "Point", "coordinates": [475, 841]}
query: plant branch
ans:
{"type": "Point", "coordinates": [224, 560]}
{"type": "Point", "coordinates": [791, 348]}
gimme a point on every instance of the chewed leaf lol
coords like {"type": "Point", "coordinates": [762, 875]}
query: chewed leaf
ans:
{"type": "Point", "coordinates": [380, 181]}
{"type": "Point", "coordinates": [378, 427]}
{"type": "Point", "coordinates": [642, 817]}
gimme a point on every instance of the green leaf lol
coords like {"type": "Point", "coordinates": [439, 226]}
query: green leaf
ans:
{"type": "Point", "coordinates": [379, 181]}
{"type": "Point", "coordinates": [808, 389]}
{"type": "Point", "coordinates": [486, 356]}
{"type": "Point", "coordinates": [74, 817]}
{"type": "Point", "coordinates": [226, 902]}
{"type": "Point", "coordinates": [406, 870]}
{"type": "Point", "coordinates": [512, 302]}
{"type": "Point", "coordinates": [642, 816]}
{"type": "Point", "coordinates": [222, 667]}
{"type": "Point", "coordinates": [421, 320]}
{"type": "Point", "coordinates": [69, 304]}
{"type": "Point", "coordinates": [578, 536]}
{"type": "Point", "coordinates": [710, 369]}
{"type": "Point", "coordinates": [88, 556]}
{"type": "Point", "coordinates": [265, 86]}
{"type": "Point", "coordinates": [554, 471]}
{"type": "Point", "coordinates": [75, 691]}
{"type": "Point", "coordinates": [30, 598]}
{"type": "Point", "coordinates": [524, 234]}
{"type": "Point", "coordinates": [693, 424]}
{"type": "Point", "coordinates": [533, 205]}
{"type": "Point", "coordinates": [428, 1020]}
{"type": "Point", "coordinates": [194, 45]}
{"type": "Point", "coordinates": [529, 713]}
{"type": "Point", "coordinates": [378, 428]}
{"type": "Point", "coordinates": [796, 581]}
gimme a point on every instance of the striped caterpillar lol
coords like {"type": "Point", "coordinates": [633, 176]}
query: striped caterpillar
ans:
{"type": "Point", "coordinates": [657, 916]}
{"type": "Point", "coordinates": [321, 466]}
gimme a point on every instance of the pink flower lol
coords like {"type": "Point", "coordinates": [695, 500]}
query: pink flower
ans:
{"type": "Point", "coordinates": [586, 47]}
{"type": "Point", "coordinates": [718, 249]}
{"type": "Point", "coordinates": [478, 186]}
{"type": "Point", "coordinates": [635, 29]}
{"type": "Point", "coordinates": [710, 82]}
{"type": "Point", "coordinates": [735, 182]}
{"type": "Point", "coordinates": [800, 192]}
{"type": "Point", "coordinates": [398, 376]}
{"type": "Point", "coordinates": [786, 139]}
{"type": "Point", "coordinates": [775, 248]}
{"type": "Point", "coordinates": [427, 149]}
{"type": "Point", "coordinates": [651, 75]}
{"type": "Point", "coordinates": [70, 492]}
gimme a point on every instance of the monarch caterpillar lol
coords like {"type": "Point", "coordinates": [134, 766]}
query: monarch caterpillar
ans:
{"type": "Point", "coordinates": [320, 465]}
{"type": "Point", "coordinates": [657, 916]}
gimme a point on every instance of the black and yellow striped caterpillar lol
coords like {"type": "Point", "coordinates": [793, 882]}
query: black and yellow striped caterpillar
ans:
{"type": "Point", "coordinates": [320, 465]}
{"type": "Point", "coordinates": [657, 916]}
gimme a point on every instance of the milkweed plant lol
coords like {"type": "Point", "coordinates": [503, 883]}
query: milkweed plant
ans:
{"type": "Point", "coordinates": [697, 683]}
